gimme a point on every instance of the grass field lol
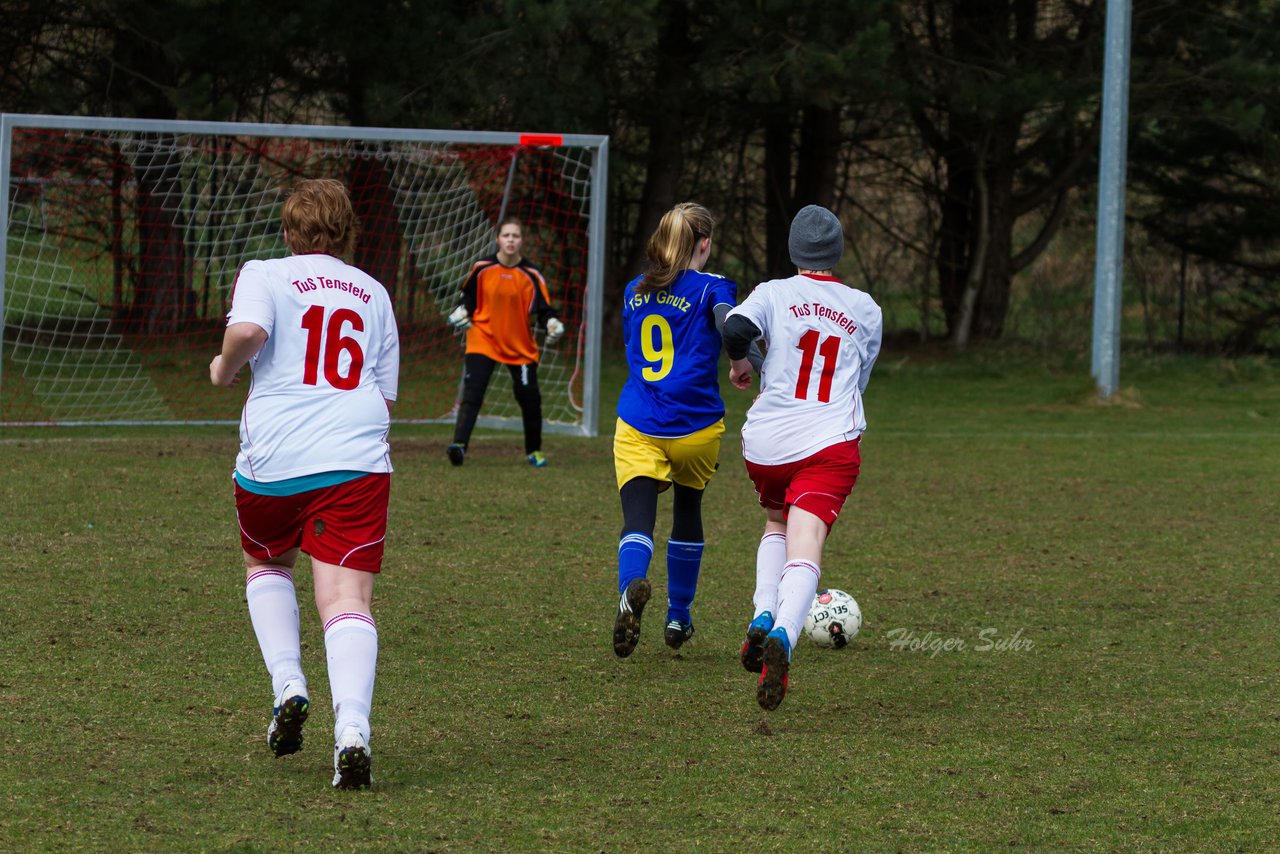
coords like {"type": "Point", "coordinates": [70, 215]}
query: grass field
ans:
{"type": "Point", "coordinates": [1127, 551]}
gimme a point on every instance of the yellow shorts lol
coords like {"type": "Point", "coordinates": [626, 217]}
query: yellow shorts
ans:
{"type": "Point", "coordinates": [689, 460]}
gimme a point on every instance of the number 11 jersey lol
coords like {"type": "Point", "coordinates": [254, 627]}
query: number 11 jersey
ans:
{"type": "Point", "coordinates": [823, 338]}
{"type": "Point", "coordinates": [332, 359]}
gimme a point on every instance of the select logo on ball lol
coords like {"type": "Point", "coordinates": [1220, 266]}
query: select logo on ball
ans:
{"type": "Point", "coordinates": [834, 619]}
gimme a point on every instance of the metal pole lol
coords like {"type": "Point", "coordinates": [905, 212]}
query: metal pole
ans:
{"type": "Point", "coordinates": [1108, 271]}
{"type": "Point", "coordinates": [6, 154]}
{"type": "Point", "coordinates": [595, 288]}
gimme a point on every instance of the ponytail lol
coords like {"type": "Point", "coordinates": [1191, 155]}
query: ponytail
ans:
{"type": "Point", "coordinates": [672, 245]}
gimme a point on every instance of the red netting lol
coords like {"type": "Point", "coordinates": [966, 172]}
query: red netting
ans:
{"type": "Point", "coordinates": [123, 247]}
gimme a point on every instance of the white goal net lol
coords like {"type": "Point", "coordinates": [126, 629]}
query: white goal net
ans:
{"type": "Point", "coordinates": [123, 239]}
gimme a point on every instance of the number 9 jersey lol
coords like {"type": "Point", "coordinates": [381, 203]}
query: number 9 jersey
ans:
{"type": "Point", "coordinates": [331, 360]}
{"type": "Point", "coordinates": [823, 339]}
{"type": "Point", "coordinates": [673, 352]}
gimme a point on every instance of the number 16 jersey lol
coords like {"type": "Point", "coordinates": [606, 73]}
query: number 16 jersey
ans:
{"type": "Point", "coordinates": [332, 359]}
{"type": "Point", "coordinates": [823, 338]}
{"type": "Point", "coordinates": [673, 352]}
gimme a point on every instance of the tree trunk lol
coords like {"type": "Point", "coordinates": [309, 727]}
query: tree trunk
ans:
{"type": "Point", "coordinates": [162, 293]}
{"type": "Point", "coordinates": [664, 162]}
{"type": "Point", "coordinates": [954, 234]}
{"type": "Point", "coordinates": [996, 236]}
{"type": "Point", "coordinates": [963, 229]}
{"type": "Point", "coordinates": [818, 158]}
{"type": "Point", "coordinates": [663, 165]}
{"type": "Point", "coordinates": [664, 158]}
{"type": "Point", "coordinates": [779, 205]}
{"type": "Point", "coordinates": [976, 275]}
{"type": "Point", "coordinates": [378, 246]}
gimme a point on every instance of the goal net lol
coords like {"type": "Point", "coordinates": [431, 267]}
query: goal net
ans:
{"type": "Point", "coordinates": [123, 239]}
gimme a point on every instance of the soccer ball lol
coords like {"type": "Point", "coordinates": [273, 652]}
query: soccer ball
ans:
{"type": "Point", "coordinates": [834, 619]}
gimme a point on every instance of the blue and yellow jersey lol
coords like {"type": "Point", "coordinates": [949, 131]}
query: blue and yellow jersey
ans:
{"type": "Point", "coordinates": [673, 354]}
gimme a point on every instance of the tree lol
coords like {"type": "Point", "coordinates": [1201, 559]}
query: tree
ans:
{"type": "Point", "coordinates": [1204, 165]}
{"type": "Point", "coordinates": [791, 85]}
{"type": "Point", "coordinates": [1004, 93]}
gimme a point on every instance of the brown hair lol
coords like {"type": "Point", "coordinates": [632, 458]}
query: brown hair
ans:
{"type": "Point", "coordinates": [510, 220]}
{"type": "Point", "coordinates": [672, 246]}
{"type": "Point", "coordinates": [319, 218]}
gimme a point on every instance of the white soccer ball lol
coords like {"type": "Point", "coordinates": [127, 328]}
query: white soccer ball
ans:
{"type": "Point", "coordinates": [834, 619]}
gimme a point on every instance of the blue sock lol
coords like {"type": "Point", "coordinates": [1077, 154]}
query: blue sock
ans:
{"type": "Point", "coordinates": [683, 562]}
{"type": "Point", "coordinates": [634, 553]}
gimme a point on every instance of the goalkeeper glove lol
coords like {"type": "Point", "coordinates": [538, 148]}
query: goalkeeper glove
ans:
{"type": "Point", "coordinates": [460, 320]}
{"type": "Point", "coordinates": [554, 330]}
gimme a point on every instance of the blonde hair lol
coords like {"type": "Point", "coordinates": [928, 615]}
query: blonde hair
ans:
{"type": "Point", "coordinates": [672, 245]}
{"type": "Point", "coordinates": [318, 217]}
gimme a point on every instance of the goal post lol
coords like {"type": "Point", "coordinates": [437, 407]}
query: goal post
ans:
{"type": "Point", "coordinates": [123, 238]}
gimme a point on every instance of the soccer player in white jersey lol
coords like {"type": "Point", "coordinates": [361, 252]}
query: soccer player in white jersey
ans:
{"type": "Point", "coordinates": [801, 439]}
{"type": "Point", "coordinates": [314, 469]}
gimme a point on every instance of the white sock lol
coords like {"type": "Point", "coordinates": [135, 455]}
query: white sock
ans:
{"type": "Point", "coordinates": [795, 596]}
{"type": "Point", "coordinates": [771, 557]}
{"type": "Point", "coordinates": [351, 645]}
{"type": "Point", "coordinates": [273, 608]}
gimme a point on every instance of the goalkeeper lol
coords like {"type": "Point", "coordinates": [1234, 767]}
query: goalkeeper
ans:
{"type": "Point", "coordinates": [500, 293]}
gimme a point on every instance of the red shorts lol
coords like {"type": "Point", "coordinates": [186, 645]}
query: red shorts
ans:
{"type": "Point", "coordinates": [343, 525]}
{"type": "Point", "coordinates": [819, 483]}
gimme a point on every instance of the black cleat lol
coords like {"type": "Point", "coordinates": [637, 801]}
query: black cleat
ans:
{"type": "Point", "coordinates": [773, 678]}
{"type": "Point", "coordinates": [626, 626]}
{"type": "Point", "coordinates": [352, 767]}
{"type": "Point", "coordinates": [677, 632]}
{"type": "Point", "coordinates": [753, 647]}
{"type": "Point", "coordinates": [284, 734]}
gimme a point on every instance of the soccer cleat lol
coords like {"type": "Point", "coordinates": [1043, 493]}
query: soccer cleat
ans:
{"type": "Point", "coordinates": [753, 647]}
{"type": "Point", "coordinates": [537, 460]}
{"type": "Point", "coordinates": [626, 626]}
{"type": "Point", "coordinates": [773, 677]}
{"type": "Point", "coordinates": [677, 632]}
{"type": "Point", "coordinates": [352, 768]}
{"type": "Point", "coordinates": [457, 454]}
{"type": "Point", "coordinates": [284, 733]}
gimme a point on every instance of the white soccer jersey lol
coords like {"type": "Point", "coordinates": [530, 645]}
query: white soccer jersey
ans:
{"type": "Point", "coordinates": [332, 356]}
{"type": "Point", "coordinates": [823, 337]}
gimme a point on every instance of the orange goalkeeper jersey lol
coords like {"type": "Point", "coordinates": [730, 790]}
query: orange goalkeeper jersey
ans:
{"type": "Point", "coordinates": [500, 300]}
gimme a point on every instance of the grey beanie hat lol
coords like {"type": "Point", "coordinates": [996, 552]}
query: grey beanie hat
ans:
{"type": "Point", "coordinates": [817, 240]}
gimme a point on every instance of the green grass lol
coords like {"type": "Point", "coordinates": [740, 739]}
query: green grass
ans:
{"type": "Point", "coordinates": [1132, 544]}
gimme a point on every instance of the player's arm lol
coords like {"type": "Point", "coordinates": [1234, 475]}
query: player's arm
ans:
{"type": "Point", "coordinates": [387, 373]}
{"type": "Point", "coordinates": [547, 317]}
{"type": "Point", "coordinates": [739, 334]}
{"type": "Point", "coordinates": [240, 343]}
{"type": "Point", "coordinates": [754, 356]}
{"type": "Point", "coordinates": [460, 317]}
{"type": "Point", "coordinates": [873, 352]}
{"type": "Point", "coordinates": [471, 288]}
